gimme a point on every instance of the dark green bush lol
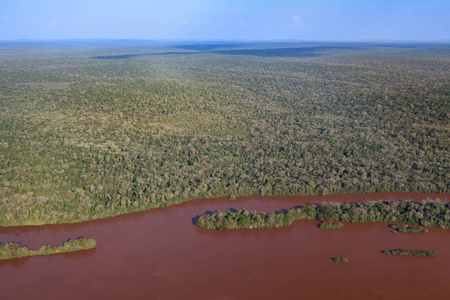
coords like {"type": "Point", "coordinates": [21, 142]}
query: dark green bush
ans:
{"type": "Point", "coordinates": [402, 252]}
{"type": "Point", "coordinates": [340, 259]}
{"type": "Point", "coordinates": [407, 229]}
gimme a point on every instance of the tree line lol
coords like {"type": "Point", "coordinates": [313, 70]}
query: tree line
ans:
{"type": "Point", "coordinates": [430, 212]}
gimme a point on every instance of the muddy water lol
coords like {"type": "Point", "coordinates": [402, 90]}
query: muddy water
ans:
{"type": "Point", "coordinates": [160, 254]}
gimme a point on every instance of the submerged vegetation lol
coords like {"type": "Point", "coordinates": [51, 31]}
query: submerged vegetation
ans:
{"type": "Point", "coordinates": [330, 225]}
{"type": "Point", "coordinates": [84, 138]}
{"type": "Point", "coordinates": [340, 259]}
{"type": "Point", "coordinates": [428, 213]}
{"type": "Point", "coordinates": [411, 252]}
{"type": "Point", "coordinates": [407, 229]}
{"type": "Point", "coordinates": [14, 250]}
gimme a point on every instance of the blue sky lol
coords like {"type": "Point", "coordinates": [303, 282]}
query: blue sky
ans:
{"type": "Point", "coordinates": [226, 19]}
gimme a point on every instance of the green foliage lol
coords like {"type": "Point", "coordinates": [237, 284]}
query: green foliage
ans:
{"type": "Point", "coordinates": [340, 259]}
{"type": "Point", "coordinates": [84, 138]}
{"type": "Point", "coordinates": [14, 250]}
{"type": "Point", "coordinates": [411, 252]}
{"type": "Point", "coordinates": [243, 218]}
{"type": "Point", "coordinates": [331, 225]}
{"type": "Point", "coordinates": [407, 229]}
{"type": "Point", "coordinates": [428, 213]}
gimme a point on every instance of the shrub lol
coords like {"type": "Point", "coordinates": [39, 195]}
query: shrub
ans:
{"type": "Point", "coordinates": [407, 229]}
{"type": "Point", "coordinates": [340, 259]}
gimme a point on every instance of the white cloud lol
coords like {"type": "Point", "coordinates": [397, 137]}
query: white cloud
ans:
{"type": "Point", "coordinates": [298, 23]}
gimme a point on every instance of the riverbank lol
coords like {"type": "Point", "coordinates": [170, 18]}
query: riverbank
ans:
{"type": "Point", "coordinates": [307, 199]}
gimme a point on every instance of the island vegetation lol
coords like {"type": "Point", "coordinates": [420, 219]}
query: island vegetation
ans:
{"type": "Point", "coordinates": [430, 212]}
{"type": "Point", "coordinates": [403, 252]}
{"type": "Point", "coordinates": [330, 225]}
{"type": "Point", "coordinates": [15, 250]}
{"type": "Point", "coordinates": [407, 229]}
{"type": "Point", "coordinates": [340, 259]}
{"type": "Point", "coordinates": [97, 129]}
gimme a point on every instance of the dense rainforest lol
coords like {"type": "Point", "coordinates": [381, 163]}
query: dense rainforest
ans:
{"type": "Point", "coordinates": [91, 129]}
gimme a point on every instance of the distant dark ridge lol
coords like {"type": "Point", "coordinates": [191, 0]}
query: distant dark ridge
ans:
{"type": "Point", "coordinates": [128, 56]}
{"type": "Point", "coordinates": [284, 52]}
{"type": "Point", "coordinates": [208, 47]}
{"type": "Point", "coordinates": [275, 52]}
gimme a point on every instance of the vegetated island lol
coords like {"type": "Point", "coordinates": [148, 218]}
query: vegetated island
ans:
{"type": "Point", "coordinates": [427, 213]}
{"type": "Point", "coordinates": [403, 252]}
{"type": "Point", "coordinates": [15, 250]}
{"type": "Point", "coordinates": [407, 229]}
{"type": "Point", "coordinates": [340, 259]}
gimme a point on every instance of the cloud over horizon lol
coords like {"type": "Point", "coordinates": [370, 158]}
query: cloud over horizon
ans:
{"type": "Point", "coordinates": [298, 23]}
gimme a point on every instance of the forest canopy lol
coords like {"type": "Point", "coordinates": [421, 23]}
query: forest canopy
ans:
{"type": "Point", "coordinates": [84, 138]}
{"type": "Point", "coordinates": [427, 213]}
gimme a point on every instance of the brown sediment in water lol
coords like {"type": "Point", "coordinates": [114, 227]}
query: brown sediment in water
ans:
{"type": "Point", "coordinates": [161, 254]}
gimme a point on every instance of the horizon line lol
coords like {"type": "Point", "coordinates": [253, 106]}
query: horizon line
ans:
{"type": "Point", "coordinates": [235, 40]}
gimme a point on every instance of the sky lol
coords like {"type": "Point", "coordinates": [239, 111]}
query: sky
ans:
{"type": "Point", "coordinates": [334, 20]}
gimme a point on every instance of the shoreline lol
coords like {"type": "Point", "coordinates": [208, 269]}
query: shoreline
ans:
{"type": "Point", "coordinates": [305, 199]}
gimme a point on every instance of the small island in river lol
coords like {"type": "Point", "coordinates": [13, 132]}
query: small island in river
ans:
{"type": "Point", "coordinates": [339, 259]}
{"type": "Point", "coordinates": [15, 250]}
{"type": "Point", "coordinates": [403, 252]}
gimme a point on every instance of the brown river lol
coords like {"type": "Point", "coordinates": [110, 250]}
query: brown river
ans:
{"type": "Point", "coordinates": [160, 254]}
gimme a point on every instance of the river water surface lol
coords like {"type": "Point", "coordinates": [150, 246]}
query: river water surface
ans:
{"type": "Point", "coordinates": [161, 254]}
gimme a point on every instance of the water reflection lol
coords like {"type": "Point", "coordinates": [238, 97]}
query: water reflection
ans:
{"type": "Point", "coordinates": [79, 255]}
{"type": "Point", "coordinates": [14, 263]}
